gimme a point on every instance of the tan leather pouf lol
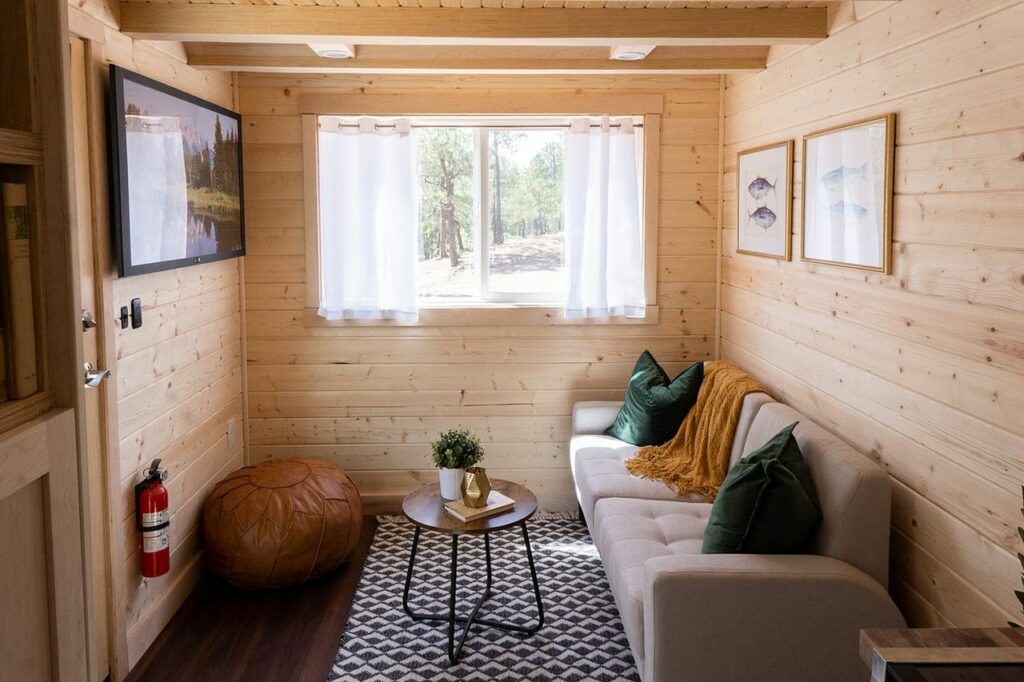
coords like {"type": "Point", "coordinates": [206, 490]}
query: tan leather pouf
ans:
{"type": "Point", "coordinates": [281, 522]}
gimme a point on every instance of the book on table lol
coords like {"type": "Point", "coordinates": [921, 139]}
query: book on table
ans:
{"type": "Point", "coordinates": [496, 504]}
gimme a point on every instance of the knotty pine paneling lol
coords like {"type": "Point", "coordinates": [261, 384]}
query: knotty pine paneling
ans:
{"type": "Point", "coordinates": [178, 378]}
{"type": "Point", "coordinates": [370, 398]}
{"type": "Point", "coordinates": [921, 370]}
{"type": "Point", "coordinates": [179, 381]}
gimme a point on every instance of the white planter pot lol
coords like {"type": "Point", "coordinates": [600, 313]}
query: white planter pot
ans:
{"type": "Point", "coordinates": [451, 483]}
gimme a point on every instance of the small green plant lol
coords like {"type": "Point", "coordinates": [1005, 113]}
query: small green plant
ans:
{"type": "Point", "coordinates": [456, 449]}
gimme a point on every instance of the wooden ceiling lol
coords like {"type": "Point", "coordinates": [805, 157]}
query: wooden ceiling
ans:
{"type": "Point", "coordinates": [479, 36]}
{"type": "Point", "coordinates": [512, 4]}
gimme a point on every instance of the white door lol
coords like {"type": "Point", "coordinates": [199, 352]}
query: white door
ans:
{"type": "Point", "coordinates": [96, 339]}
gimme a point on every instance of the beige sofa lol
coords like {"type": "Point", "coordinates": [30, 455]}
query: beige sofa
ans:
{"type": "Point", "coordinates": [739, 617]}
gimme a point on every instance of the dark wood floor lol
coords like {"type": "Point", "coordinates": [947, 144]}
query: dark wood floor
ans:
{"type": "Point", "coordinates": [223, 633]}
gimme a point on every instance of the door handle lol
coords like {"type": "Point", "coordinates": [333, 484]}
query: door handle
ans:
{"type": "Point", "coordinates": [88, 320]}
{"type": "Point", "coordinates": [94, 377]}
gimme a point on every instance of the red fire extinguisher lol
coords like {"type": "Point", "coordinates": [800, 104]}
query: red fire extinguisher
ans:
{"type": "Point", "coordinates": [153, 519]}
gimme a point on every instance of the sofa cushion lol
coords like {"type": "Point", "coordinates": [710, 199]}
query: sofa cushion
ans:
{"type": "Point", "coordinates": [767, 504]}
{"type": "Point", "coordinates": [853, 491]}
{"type": "Point", "coordinates": [628, 532]}
{"type": "Point", "coordinates": [752, 402]}
{"type": "Point", "coordinates": [599, 471]}
{"type": "Point", "coordinates": [598, 461]}
{"type": "Point", "coordinates": [655, 406]}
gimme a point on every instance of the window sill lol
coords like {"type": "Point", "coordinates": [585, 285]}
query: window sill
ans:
{"type": "Point", "coordinates": [484, 315]}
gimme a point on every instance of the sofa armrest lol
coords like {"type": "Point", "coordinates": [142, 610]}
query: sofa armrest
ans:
{"type": "Point", "coordinates": [731, 617]}
{"type": "Point", "coordinates": [594, 417]}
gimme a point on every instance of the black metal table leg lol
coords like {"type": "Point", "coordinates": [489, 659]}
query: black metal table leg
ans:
{"type": "Point", "coordinates": [526, 630]}
{"type": "Point", "coordinates": [453, 654]}
{"type": "Point", "coordinates": [536, 583]}
{"type": "Point", "coordinates": [408, 574]}
{"type": "Point", "coordinates": [487, 554]}
{"type": "Point", "coordinates": [451, 617]}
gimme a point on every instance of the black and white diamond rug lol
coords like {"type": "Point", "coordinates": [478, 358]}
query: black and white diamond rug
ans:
{"type": "Point", "coordinates": [582, 637]}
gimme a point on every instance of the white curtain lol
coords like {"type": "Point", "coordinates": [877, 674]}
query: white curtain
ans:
{"type": "Point", "coordinates": [603, 230]}
{"type": "Point", "coordinates": [157, 191]}
{"type": "Point", "coordinates": [369, 209]}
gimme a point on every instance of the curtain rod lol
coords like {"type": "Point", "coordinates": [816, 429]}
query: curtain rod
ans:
{"type": "Point", "coordinates": [378, 126]}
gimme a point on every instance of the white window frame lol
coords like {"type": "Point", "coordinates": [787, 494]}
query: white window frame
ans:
{"type": "Point", "coordinates": [500, 308]}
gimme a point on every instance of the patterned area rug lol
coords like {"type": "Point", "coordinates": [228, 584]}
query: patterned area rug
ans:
{"type": "Point", "coordinates": [582, 637]}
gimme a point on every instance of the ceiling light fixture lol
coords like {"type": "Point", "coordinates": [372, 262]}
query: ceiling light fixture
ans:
{"type": "Point", "coordinates": [333, 50]}
{"type": "Point", "coordinates": [631, 53]}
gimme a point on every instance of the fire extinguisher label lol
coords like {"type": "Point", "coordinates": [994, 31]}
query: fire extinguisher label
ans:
{"type": "Point", "coordinates": [156, 518]}
{"type": "Point", "coordinates": [154, 541]}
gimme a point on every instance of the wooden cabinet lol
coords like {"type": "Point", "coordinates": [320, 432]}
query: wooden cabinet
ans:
{"type": "Point", "coordinates": [24, 391]}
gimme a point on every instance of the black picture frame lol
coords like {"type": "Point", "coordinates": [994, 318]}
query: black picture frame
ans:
{"type": "Point", "coordinates": [118, 172]}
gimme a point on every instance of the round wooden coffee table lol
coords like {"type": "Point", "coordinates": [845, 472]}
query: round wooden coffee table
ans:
{"type": "Point", "coordinates": [424, 507]}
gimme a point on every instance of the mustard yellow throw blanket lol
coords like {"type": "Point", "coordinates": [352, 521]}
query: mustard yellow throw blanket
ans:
{"type": "Point", "coordinates": [696, 460]}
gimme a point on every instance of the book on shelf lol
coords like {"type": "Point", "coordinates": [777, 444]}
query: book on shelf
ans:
{"type": "Point", "coordinates": [21, 378]}
{"type": "Point", "coordinates": [496, 504]}
{"type": "Point", "coordinates": [3, 368]}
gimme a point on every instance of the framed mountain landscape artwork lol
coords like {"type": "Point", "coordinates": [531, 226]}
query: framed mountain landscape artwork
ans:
{"type": "Point", "coordinates": [847, 187]}
{"type": "Point", "coordinates": [764, 218]}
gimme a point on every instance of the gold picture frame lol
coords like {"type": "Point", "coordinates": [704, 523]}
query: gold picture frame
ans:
{"type": "Point", "coordinates": [836, 188]}
{"type": "Point", "coordinates": [746, 198]}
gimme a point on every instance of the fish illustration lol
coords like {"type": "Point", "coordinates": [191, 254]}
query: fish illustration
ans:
{"type": "Point", "coordinates": [846, 207]}
{"type": "Point", "coordinates": [763, 217]}
{"type": "Point", "coordinates": [838, 176]}
{"type": "Point", "coordinates": [759, 188]}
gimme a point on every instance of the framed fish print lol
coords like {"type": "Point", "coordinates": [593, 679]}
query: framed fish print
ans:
{"type": "Point", "coordinates": [764, 200]}
{"type": "Point", "coordinates": [847, 187]}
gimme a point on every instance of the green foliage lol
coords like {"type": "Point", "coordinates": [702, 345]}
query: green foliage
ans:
{"type": "Point", "coordinates": [504, 178]}
{"type": "Point", "coordinates": [544, 186]}
{"type": "Point", "coordinates": [526, 197]}
{"type": "Point", "coordinates": [456, 449]}
{"type": "Point", "coordinates": [213, 171]}
{"type": "Point", "coordinates": [446, 173]}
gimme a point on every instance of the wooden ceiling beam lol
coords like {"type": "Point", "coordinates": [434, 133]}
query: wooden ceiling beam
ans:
{"type": "Point", "coordinates": [477, 26]}
{"type": "Point", "coordinates": [378, 59]}
{"type": "Point", "coordinates": [520, 67]}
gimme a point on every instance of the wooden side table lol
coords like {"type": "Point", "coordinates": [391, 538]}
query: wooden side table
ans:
{"type": "Point", "coordinates": [424, 507]}
{"type": "Point", "coordinates": [940, 654]}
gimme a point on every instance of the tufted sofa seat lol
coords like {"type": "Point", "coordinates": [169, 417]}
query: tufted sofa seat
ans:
{"type": "Point", "coordinates": [697, 617]}
{"type": "Point", "coordinates": [634, 531]}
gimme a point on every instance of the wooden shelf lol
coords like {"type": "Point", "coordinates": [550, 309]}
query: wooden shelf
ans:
{"type": "Point", "coordinates": [14, 413]}
{"type": "Point", "coordinates": [20, 147]}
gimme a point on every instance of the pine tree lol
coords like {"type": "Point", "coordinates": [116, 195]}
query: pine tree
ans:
{"type": "Point", "coordinates": [219, 175]}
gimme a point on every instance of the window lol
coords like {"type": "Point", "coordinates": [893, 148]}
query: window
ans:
{"type": "Point", "coordinates": [495, 241]}
{"type": "Point", "coordinates": [487, 214]}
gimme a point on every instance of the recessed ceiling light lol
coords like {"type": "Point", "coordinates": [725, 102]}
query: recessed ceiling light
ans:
{"type": "Point", "coordinates": [333, 50]}
{"type": "Point", "coordinates": [631, 53]}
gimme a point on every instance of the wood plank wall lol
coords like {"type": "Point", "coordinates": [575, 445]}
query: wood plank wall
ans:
{"type": "Point", "coordinates": [922, 370]}
{"type": "Point", "coordinates": [179, 377]}
{"type": "Point", "coordinates": [370, 398]}
{"type": "Point", "coordinates": [179, 381]}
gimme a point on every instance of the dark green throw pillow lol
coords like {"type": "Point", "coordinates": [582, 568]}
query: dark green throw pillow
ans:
{"type": "Point", "coordinates": [655, 406]}
{"type": "Point", "coordinates": [767, 503]}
